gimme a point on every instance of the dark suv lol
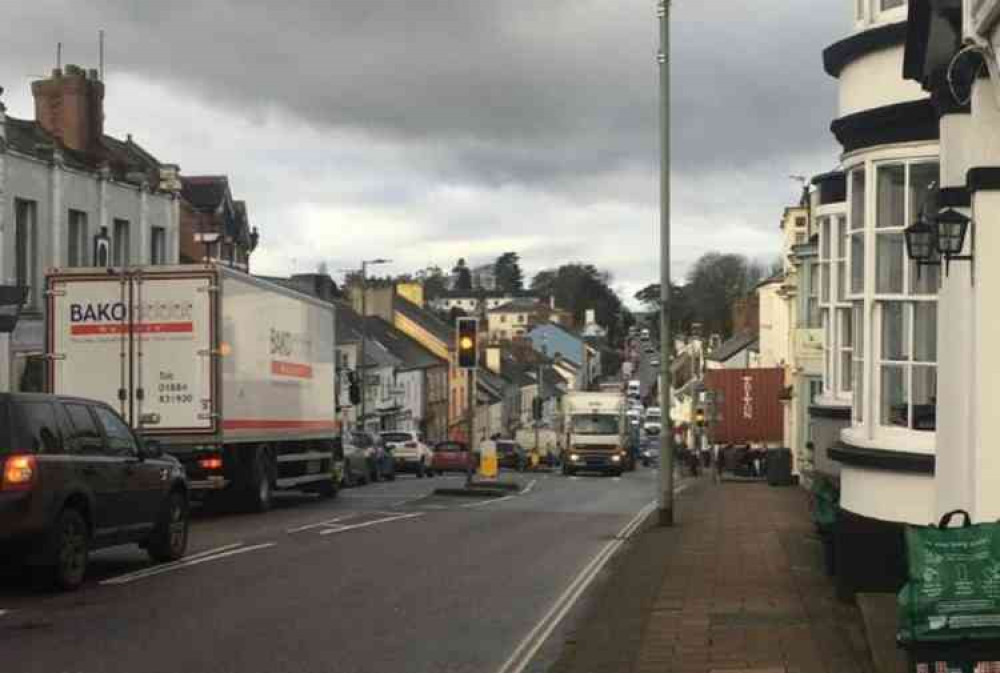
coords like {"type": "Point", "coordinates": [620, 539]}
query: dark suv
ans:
{"type": "Point", "coordinates": [73, 477]}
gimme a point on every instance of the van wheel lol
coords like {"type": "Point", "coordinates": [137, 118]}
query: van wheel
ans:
{"type": "Point", "coordinates": [71, 543]}
{"type": "Point", "coordinates": [169, 539]}
{"type": "Point", "coordinates": [327, 489]}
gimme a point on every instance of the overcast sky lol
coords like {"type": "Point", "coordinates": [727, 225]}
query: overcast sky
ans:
{"type": "Point", "coordinates": [427, 130]}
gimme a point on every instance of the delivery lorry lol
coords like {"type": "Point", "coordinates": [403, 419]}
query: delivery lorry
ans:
{"type": "Point", "coordinates": [233, 375]}
{"type": "Point", "coordinates": [595, 433]}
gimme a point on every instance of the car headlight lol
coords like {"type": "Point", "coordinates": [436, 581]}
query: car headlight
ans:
{"type": "Point", "coordinates": [616, 458]}
{"type": "Point", "coordinates": [574, 456]}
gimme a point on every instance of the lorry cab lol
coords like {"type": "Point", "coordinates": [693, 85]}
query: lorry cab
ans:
{"type": "Point", "coordinates": [634, 390]}
{"type": "Point", "coordinates": [596, 433]}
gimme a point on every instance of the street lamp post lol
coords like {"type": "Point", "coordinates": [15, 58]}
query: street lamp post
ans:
{"type": "Point", "coordinates": [666, 481]}
{"type": "Point", "coordinates": [364, 333]}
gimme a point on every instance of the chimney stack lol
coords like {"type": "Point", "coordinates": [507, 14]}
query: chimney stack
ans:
{"type": "Point", "coordinates": [69, 105]}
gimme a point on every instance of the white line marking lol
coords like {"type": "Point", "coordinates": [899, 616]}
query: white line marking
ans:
{"type": "Point", "coordinates": [372, 496]}
{"type": "Point", "coordinates": [528, 647]}
{"type": "Point", "coordinates": [681, 488]}
{"type": "Point", "coordinates": [531, 485]}
{"type": "Point", "coordinates": [178, 565]}
{"type": "Point", "coordinates": [344, 529]}
{"type": "Point", "coordinates": [3, 612]}
{"type": "Point", "coordinates": [320, 524]}
{"type": "Point", "coordinates": [488, 502]}
{"type": "Point", "coordinates": [171, 564]}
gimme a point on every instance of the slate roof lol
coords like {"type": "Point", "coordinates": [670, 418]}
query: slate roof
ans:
{"type": "Point", "coordinates": [732, 346]}
{"type": "Point", "coordinates": [205, 192]}
{"type": "Point", "coordinates": [124, 158]}
{"type": "Point", "coordinates": [425, 319]}
{"type": "Point", "coordinates": [518, 305]}
{"type": "Point", "coordinates": [409, 352]}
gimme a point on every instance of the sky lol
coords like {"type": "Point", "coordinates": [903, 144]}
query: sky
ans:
{"type": "Point", "coordinates": [428, 130]}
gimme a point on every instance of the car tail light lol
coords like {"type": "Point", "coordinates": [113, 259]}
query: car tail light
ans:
{"type": "Point", "coordinates": [19, 473]}
{"type": "Point", "coordinates": [212, 463]}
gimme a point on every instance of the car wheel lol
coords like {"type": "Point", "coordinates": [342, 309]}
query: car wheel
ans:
{"type": "Point", "coordinates": [421, 470]}
{"type": "Point", "coordinates": [169, 539]}
{"type": "Point", "coordinates": [568, 471]}
{"type": "Point", "coordinates": [71, 543]}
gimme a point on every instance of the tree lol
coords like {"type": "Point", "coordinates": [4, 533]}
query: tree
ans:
{"type": "Point", "coordinates": [434, 280]}
{"type": "Point", "coordinates": [463, 279]}
{"type": "Point", "coordinates": [578, 287]}
{"type": "Point", "coordinates": [682, 314]}
{"type": "Point", "coordinates": [508, 273]}
{"type": "Point", "coordinates": [715, 283]}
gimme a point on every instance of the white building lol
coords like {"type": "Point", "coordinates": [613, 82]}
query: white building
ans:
{"type": "Point", "coordinates": [63, 182]}
{"type": "Point", "coordinates": [884, 348]}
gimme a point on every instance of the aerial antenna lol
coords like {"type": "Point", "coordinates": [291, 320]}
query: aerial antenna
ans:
{"type": "Point", "coordinates": [59, 55]}
{"type": "Point", "coordinates": [100, 50]}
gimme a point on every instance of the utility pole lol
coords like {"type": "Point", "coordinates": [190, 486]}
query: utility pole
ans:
{"type": "Point", "coordinates": [666, 481]}
{"type": "Point", "coordinates": [364, 335]}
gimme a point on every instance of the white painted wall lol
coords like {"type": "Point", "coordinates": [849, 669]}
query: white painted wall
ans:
{"type": "Point", "coordinates": [774, 326]}
{"type": "Point", "coordinates": [412, 400]}
{"type": "Point", "coordinates": [886, 495]}
{"type": "Point", "coordinates": [875, 80]}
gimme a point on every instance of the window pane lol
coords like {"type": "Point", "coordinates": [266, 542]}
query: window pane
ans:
{"type": "Point", "coordinates": [890, 196]}
{"type": "Point", "coordinates": [895, 408]}
{"type": "Point", "coordinates": [889, 263]}
{"type": "Point", "coordinates": [924, 397]}
{"type": "Point", "coordinates": [925, 331]}
{"type": "Point", "coordinates": [857, 319]}
{"type": "Point", "coordinates": [857, 263]}
{"type": "Point", "coordinates": [825, 281]}
{"type": "Point", "coordinates": [858, 199]}
{"type": "Point", "coordinates": [824, 238]}
{"type": "Point", "coordinates": [842, 237]}
{"type": "Point", "coordinates": [895, 344]}
{"type": "Point", "coordinates": [859, 391]}
{"type": "Point", "coordinates": [845, 371]}
{"type": "Point", "coordinates": [922, 176]}
{"type": "Point", "coordinates": [841, 281]}
{"type": "Point", "coordinates": [846, 316]}
{"type": "Point", "coordinates": [889, 4]}
{"type": "Point", "coordinates": [925, 279]}
{"type": "Point", "coordinates": [121, 244]}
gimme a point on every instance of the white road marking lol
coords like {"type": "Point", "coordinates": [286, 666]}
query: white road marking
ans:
{"type": "Point", "coordinates": [574, 478]}
{"type": "Point", "coordinates": [531, 485]}
{"type": "Point", "coordinates": [321, 524]}
{"type": "Point", "coordinates": [616, 478]}
{"type": "Point", "coordinates": [3, 612]}
{"type": "Point", "coordinates": [681, 488]}
{"type": "Point", "coordinates": [171, 564]}
{"type": "Point", "coordinates": [487, 502]}
{"type": "Point", "coordinates": [186, 563]}
{"type": "Point", "coordinates": [344, 529]}
{"type": "Point", "coordinates": [531, 643]}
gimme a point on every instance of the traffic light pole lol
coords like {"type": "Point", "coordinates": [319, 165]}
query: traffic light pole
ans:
{"type": "Point", "coordinates": [470, 380]}
{"type": "Point", "coordinates": [666, 482]}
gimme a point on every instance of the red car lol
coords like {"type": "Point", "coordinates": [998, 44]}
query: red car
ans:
{"type": "Point", "coordinates": [453, 457]}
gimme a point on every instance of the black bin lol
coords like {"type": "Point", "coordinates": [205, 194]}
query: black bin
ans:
{"type": "Point", "coordinates": [779, 467]}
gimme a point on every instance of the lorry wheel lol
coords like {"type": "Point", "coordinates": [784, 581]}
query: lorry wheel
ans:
{"type": "Point", "coordinates": [259, 494]}
{"type": "Point", "coordinates": [169, 539]}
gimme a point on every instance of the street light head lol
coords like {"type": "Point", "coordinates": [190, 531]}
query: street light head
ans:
{"type": "Point", "coordinates": [951, 229]}
{"type": "Point", "coordinates": [920, 242]}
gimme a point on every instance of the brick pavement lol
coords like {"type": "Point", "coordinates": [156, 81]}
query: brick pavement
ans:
{"type": "Point", "coordinates": [744, 590]}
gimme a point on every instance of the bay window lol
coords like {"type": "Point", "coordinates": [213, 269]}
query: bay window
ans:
{"type": "Point", "coordinates": [838, 333]}
{"type": "Point", "coordinates": [900, 303]}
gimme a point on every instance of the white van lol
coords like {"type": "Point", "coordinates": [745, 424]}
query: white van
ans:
{"type": "Point", "coordinates": [634, 388]}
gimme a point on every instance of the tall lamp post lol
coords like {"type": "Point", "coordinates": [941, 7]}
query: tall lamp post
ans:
{"type": "Point", "coordinates": [666, 481]}
{"type": "Point", "coordinates": [364, 332]}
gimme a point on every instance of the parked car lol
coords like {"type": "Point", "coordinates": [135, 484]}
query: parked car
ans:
{"type": "Point", "coordinates": [366, 459]}
{"type": "Point", "coordinates": [511, 455]}
{"type": "Point", "coordinates": [409, 452]}
{"type": "Point", "coordinates": [453, 457]}
{"type": "Point", "coordinates": [75, 478]}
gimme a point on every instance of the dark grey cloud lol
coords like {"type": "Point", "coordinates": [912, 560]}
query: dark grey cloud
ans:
{"type": "Point", "coordinates": [530, 121]}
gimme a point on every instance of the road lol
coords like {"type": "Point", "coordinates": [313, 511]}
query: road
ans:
{"type": "Point", "coordinates": [385, 578]}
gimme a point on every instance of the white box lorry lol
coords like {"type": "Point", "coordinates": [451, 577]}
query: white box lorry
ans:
{"type": "Point", "coordinates": [595, 428]}
{"type": "Point", "coordinates": [233, 375]}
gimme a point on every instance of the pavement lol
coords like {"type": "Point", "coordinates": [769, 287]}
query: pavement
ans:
{"type": "Point", "coordinates": [387, 577]}
{"type": "Point", "coordinates": [737, 584]}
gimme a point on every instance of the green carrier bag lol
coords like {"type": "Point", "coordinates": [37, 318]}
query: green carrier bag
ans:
{"type": "Point", "coordinates": [953, 590]}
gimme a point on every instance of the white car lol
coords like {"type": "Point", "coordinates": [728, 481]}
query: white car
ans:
{"type": "Point", "coordinates": [409, 452]}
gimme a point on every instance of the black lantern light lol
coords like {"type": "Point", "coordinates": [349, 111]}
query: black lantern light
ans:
{"type": "Point", "coordinates": [951, 229]}
{"type": "Point", "coordinates": [920, 241]}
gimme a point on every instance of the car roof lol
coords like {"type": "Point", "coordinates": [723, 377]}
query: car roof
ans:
{"type": "Point", "coordinates": [46, 397]}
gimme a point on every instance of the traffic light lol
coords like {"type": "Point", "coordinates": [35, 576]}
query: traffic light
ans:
{"type": "Point", "coordinates": [354, 390]}
{"type": "Point", "coordinates": [467, 342]}
{"type": "Point", "coordinates": [536, 408]}
{"type": "Point", "coordinates": [699, 418]}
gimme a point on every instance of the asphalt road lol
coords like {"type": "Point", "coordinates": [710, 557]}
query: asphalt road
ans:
{"type": "Point", "coordinates": [385, 578]}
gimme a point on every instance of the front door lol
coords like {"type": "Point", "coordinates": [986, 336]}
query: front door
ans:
{"type": "Point", "coordinates": [143, 479]}
{"type": "Point", "coordinates": [102, 472]}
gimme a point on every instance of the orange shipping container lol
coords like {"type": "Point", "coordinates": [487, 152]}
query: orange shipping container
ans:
{"type": "Point", "coordinates": [749, 407]}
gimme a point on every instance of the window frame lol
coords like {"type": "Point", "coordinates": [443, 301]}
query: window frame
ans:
{"type": "Point", "coordinates": [77, 231]}
{"type": "Point", "coordinates": [121, 253]}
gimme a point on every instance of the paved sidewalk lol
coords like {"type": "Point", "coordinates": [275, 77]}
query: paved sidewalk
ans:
{"type": "Point", "coordinates": [737, 585]}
